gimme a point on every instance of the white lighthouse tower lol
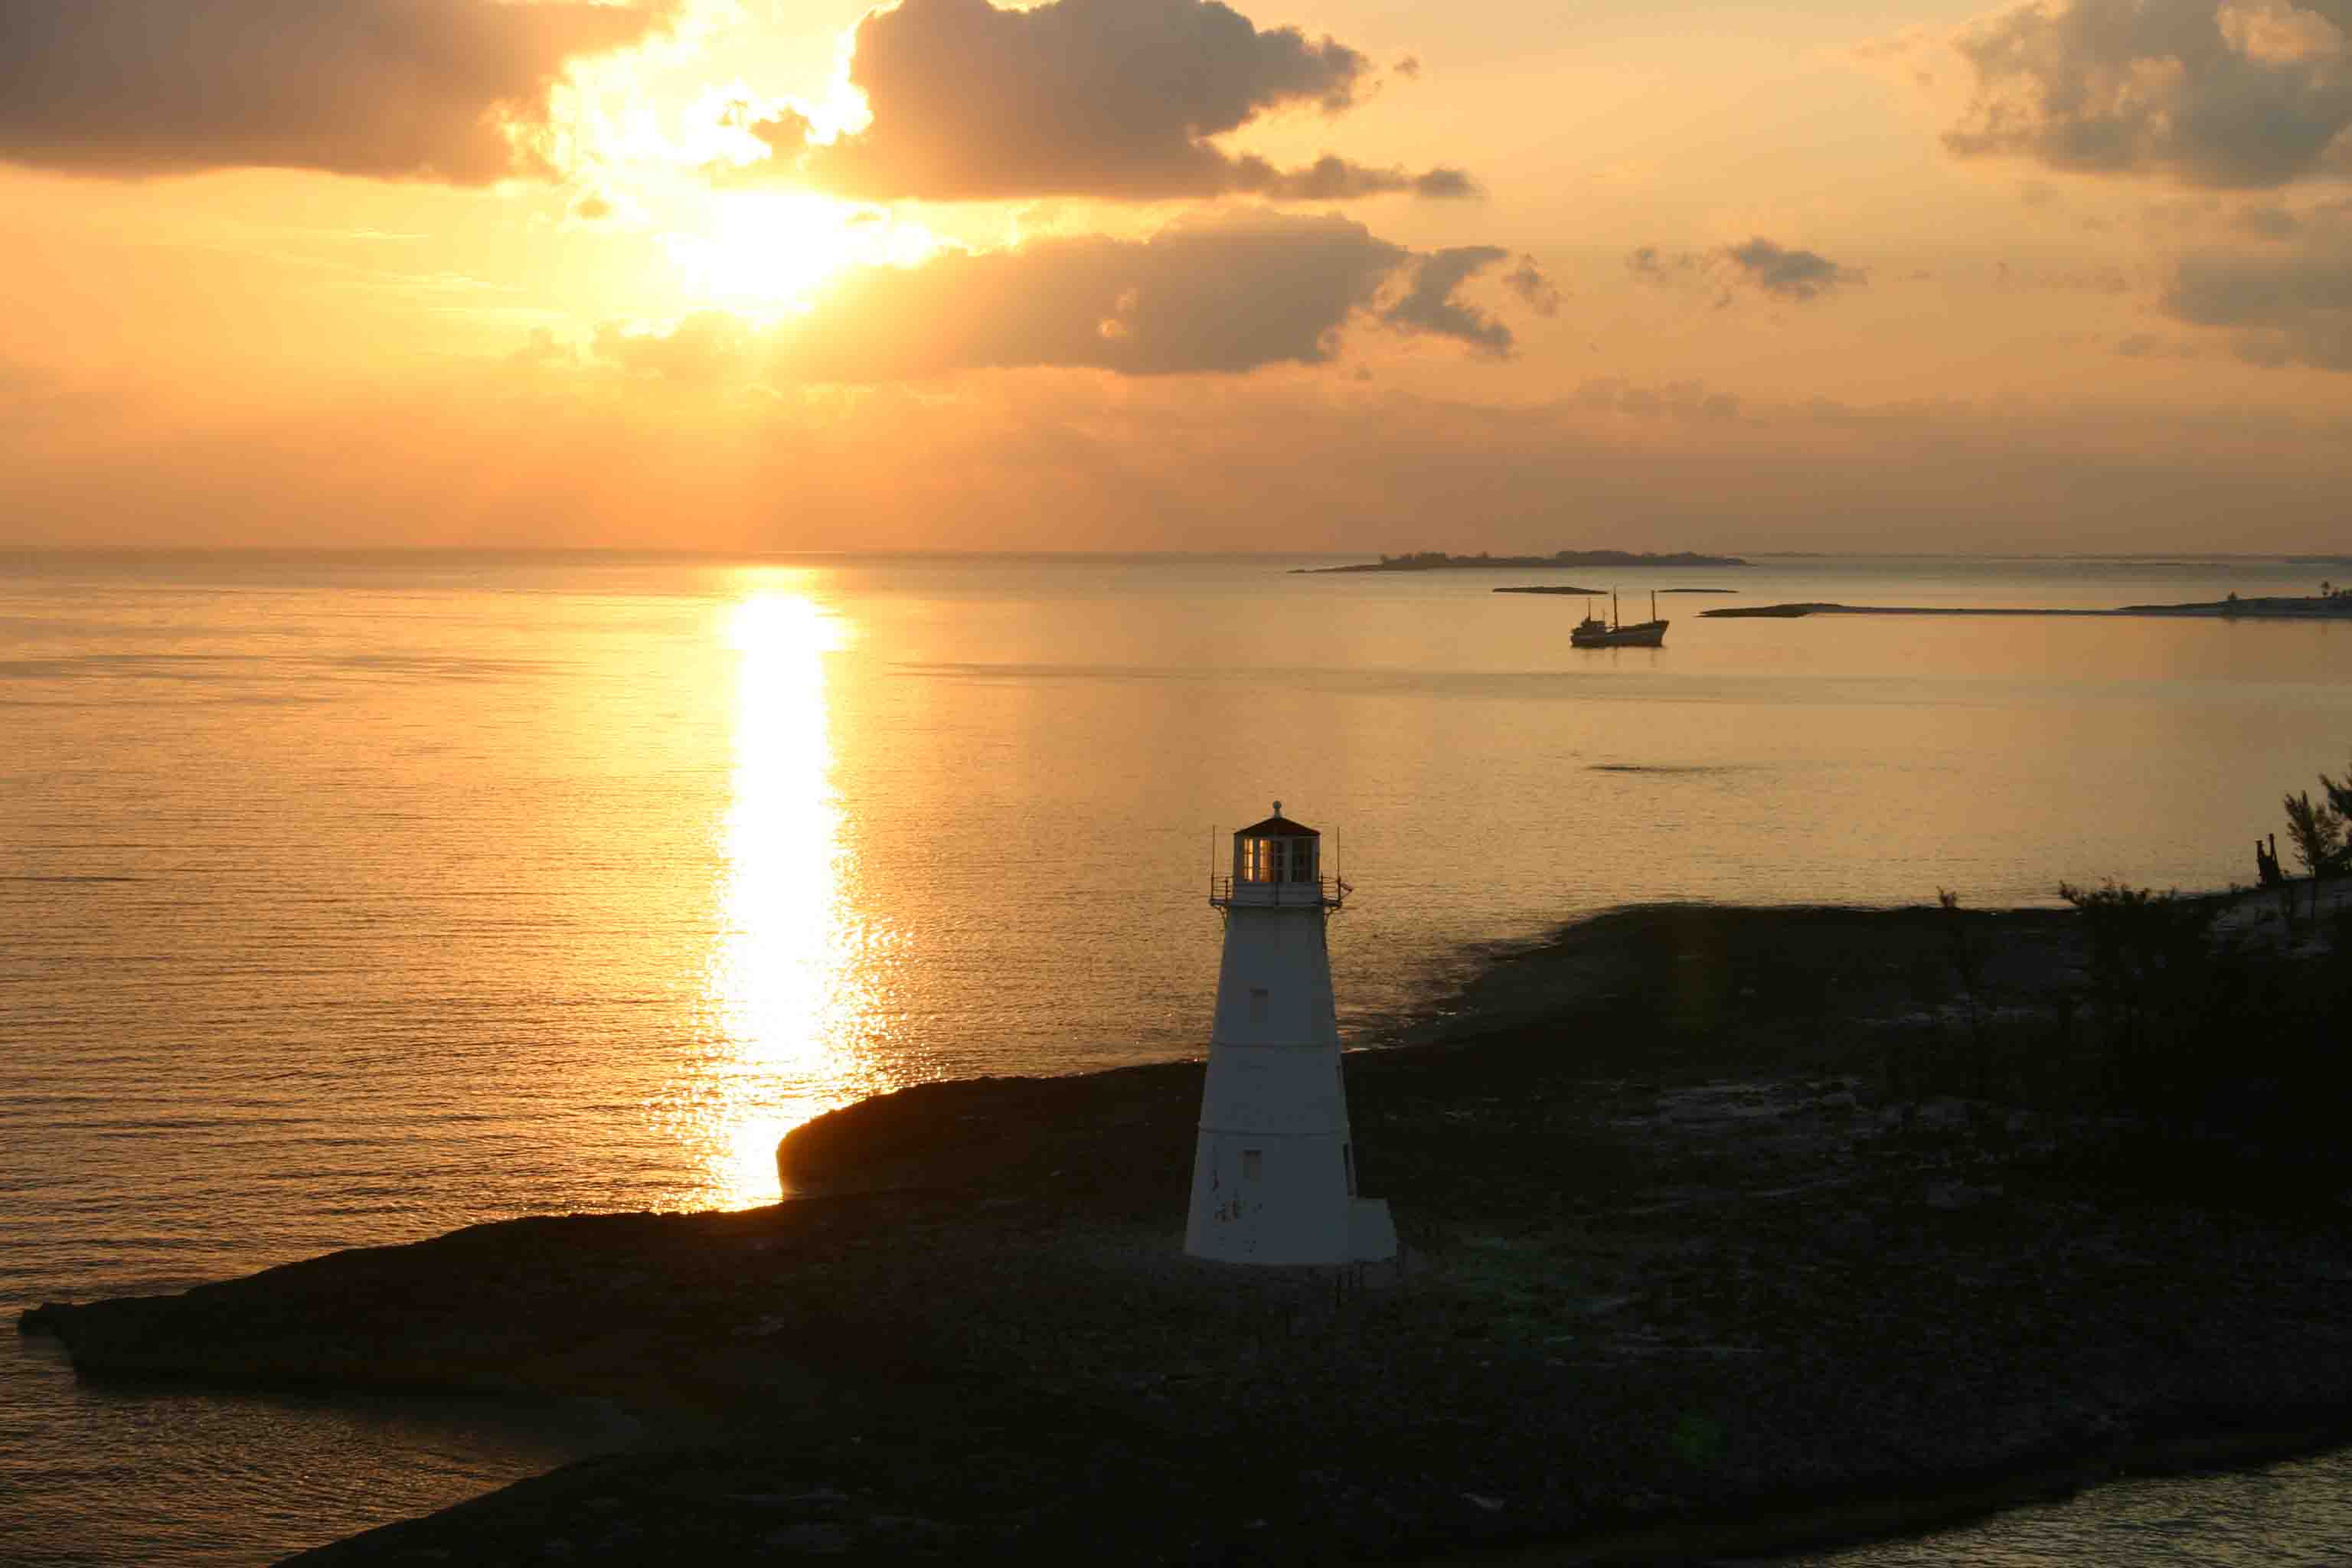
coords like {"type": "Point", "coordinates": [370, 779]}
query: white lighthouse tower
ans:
{"type": "Point", "coordinates": [1273, 1175]}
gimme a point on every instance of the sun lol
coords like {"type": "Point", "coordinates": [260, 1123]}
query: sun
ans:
{"type": "Point", "coordinates": [768, 252]}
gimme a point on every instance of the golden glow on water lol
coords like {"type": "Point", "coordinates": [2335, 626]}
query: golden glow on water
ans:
{"type": "Point", "coordinates": [789, 1008]}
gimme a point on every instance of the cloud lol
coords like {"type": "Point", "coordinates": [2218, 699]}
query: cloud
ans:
{"type": "Point", "coordinates": [1649, 266]}
{"type": "Point", "coordinates": [1118, 100]}
{"type": "Point", "coordinates": [707, 348]}
{"type": "Point", "coordinates": [603, 206]}
{"type": "Point", "coordinates": [454, 90]}
{"type": "Point", "coordinates": [1788, 274]}
{"type": "Point", "coordinates": [542, 350]}
{"type": "Point", "coordinates": [1796, 276]}
{"type": "Point", "coordinates": [2275, 34]}
{"type": "Point", "coordinates": [1330, 179]}
{"type": "Point", "coordinates": [1443, 183]}
{"type": "Point", "coordinates": [2268, 222]}
{"type": "Point", "coordinates": [2282, 304]}
{"type": "Point", "coordinates": [1225, 295]}
{"type": "Point", "coordinates": [1428, 304]}
{"type": "Point", "coordinates": [1208, 296]}
{"type": "Point", "coordinates": [1908, 54]}
{"type": "Point", "coordinates": [2246, 94]}
{"type": "Point", "coordinates": [1528, 282]}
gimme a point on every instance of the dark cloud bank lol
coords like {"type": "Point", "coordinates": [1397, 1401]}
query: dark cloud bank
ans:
{"type": "Point", "coordinates": [1118, 100]}
{"type": "Point", "coordinates": [1210, 296]}
{"type": "Point", "coordinates": [2287, 304]}
{"type": "Point", "coordinates": [2224, 94]}
{"type": "Point", "coordinates": [2242, 93]}
{"type": "Point", "coordinates": [389, 89]}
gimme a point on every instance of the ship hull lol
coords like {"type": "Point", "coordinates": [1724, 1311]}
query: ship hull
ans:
{"type": "Point", "coordinates": [1644, 633]}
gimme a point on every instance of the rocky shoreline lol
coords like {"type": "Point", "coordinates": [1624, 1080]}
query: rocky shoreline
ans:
{"type": "Point", "coordinates": [1700, 1259]}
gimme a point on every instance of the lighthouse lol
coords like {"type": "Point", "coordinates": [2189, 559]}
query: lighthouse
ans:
{"type": "Point", "coordinates": [1274, 1174]}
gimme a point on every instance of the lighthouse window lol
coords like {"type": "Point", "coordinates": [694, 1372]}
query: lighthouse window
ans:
{"type": "Point", "coordinates": [1253, 1164]}
{"type": "Point", "coordinates": [1276, 860]}
{"type": "Point", "coordinates": [1260, 1003]}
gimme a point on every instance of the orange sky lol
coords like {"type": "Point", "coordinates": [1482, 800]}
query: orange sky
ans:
{"type": "Point", "coordinates": [1155, 274]}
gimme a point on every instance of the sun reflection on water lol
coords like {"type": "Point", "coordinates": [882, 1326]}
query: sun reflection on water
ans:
{"type": "Point", "coordinates": [791, 997]}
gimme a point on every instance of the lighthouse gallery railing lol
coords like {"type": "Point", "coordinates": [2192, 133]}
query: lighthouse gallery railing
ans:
{"type": "Point", "coordinates": [1328, 891]}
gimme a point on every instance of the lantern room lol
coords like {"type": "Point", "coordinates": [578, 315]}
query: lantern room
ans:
{"type": "Point", "coordinates": [1276, 850]}
{"type": "Point", "coordinates": [1278, 861]}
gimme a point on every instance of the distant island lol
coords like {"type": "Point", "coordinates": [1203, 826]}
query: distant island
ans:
{"type": "Point", "coordinates": [1596, 592]}
{"type": "Point", "coordinates": [1439, 561]}
{"type": "Point", "coordinates": [2330, 606]}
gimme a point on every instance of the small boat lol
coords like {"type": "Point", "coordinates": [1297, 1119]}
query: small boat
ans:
{"type": "Point", "coordinates": [1593, 632]}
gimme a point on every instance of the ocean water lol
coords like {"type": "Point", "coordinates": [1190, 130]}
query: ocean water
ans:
{"type": "Point", "coordinates": [2297, 1514]}
{"type": "Point", "coordinates": [348, 898]}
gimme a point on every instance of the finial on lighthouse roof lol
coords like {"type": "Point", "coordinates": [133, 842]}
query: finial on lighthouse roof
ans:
{"type": "Point", "coordinates": [1277, 808]}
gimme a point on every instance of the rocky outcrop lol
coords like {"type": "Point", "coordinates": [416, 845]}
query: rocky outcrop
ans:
{"type": "Point", "coordinates": [1681, 1278]}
